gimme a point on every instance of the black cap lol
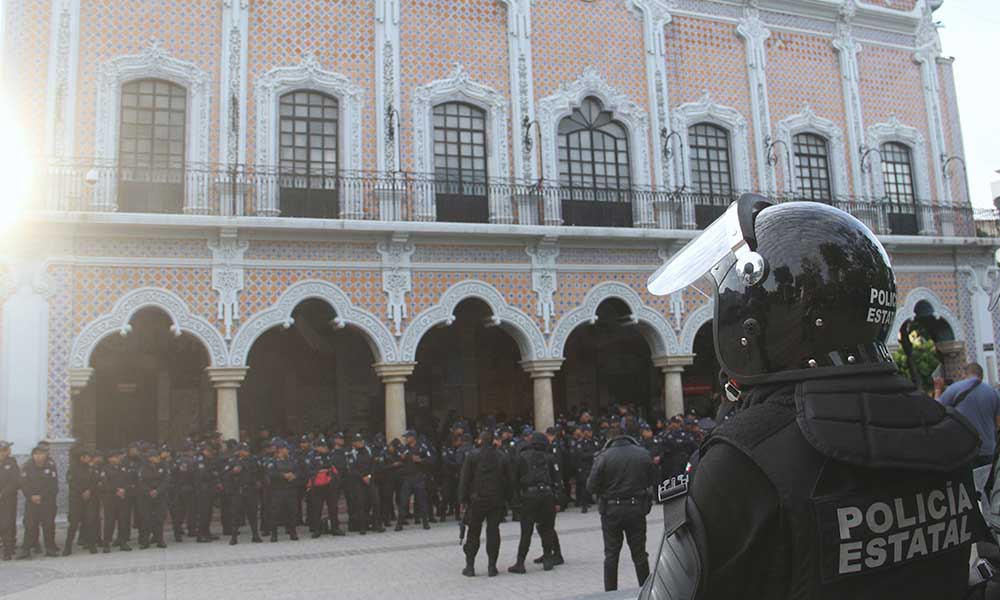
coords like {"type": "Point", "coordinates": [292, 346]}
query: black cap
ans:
{"type": "Point", "coordinates": [410, 433]}
{"type": "Point", "coordinates": [550, 430]}
{"type": "Point", "coordinates": [320, 442]}
{"type": "Point", "coordinates": [358, 437]}
{"type": "Point", "coordinates": [243, 446]}
{"type": "Point", "coordinates": [339, 434]}
{"type": "Point", "coordinates": [305, 439]}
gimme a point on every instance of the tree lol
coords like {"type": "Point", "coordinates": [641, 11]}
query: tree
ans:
{"type": "Point", "coordinates": [919, 363]}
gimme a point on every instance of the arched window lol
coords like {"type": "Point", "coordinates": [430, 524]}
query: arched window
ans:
{"type": "Point", "coordinates": [460, 163]}
{"type": "Point", "coordinates": [308, 158]}
{"type": "Point", "coordinates": [897, 179]}
{"type": "Point", "coordinates": [812, 167]}
{"type": "Point", "coordinates": [151, 146]}
{"type": "Point", "coordinates": [594, 169]}
{"type": "Point", "coordinates": [711, 171]}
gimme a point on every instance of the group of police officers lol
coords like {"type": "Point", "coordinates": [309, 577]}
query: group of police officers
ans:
{"type": "Point", "coordinates": [269, 484]}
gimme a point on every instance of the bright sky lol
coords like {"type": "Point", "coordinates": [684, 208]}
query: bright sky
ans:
{"type": "Point", "coordinates": [970, 34]}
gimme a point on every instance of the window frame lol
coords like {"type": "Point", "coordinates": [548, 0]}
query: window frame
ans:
{"type": "Point", "coordinates": [812, 191]}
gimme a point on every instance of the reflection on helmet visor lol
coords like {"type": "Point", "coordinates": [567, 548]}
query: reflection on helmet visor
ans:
{"type": "Point", "coordinates": [699, 256]}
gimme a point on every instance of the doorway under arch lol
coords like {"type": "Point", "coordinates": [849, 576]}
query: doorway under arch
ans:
{"type": "Point", "coordinates": [148, 385]}
{"type": "Point", "coordinates": [315, 376]}
{"type": "Point", "coordinates": [923, 339]}
{"type": "Point", "coordinates": [607, 363]}
{"type": "Point", "coordinates": [468, 369]}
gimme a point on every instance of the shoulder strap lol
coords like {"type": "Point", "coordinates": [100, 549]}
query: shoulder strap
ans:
{"type": "Point", "coordinates": [965, 393]}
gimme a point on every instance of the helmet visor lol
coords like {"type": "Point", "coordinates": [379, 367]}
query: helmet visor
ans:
{"type": "Point", "coordinates": [699, 256]}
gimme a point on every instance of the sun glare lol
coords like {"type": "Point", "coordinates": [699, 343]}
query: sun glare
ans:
{"type": "Point", "coordinates": [15, 169]}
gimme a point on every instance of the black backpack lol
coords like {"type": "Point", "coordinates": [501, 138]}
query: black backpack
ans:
{"type": "Point", "coordinates": [487, 475]}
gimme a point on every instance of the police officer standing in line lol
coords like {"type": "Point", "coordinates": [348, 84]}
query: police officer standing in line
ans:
{"type": "Point", "coordinates": [152, 491]}
{"type": "Point", "coordinates": [241, 482]}
{"type": "Point", "coordinates": [182, 505]}
{"type": "Point", "coordinates": [834, 478]}
{"type": "Point", "coordinates": [622, 479]}
{"type": "Point", "coordinates": [338, 460]}
{"type": "Point", "coordinates": [536, 479]}
{"type": "Point", "coordinates": [283, 475]}
{"type": "Point", "coordinates": [484, 487]}
{"type": "Point", "coordinates": [319, 486]}
{"type": "Point", "coordinates": [207, 482]}
{"type": "Point", "coordinates": [10, 481]}
{"type": "Point", "coordinates": [389, 479]}
{"type": "Point", "coordinates": [115, 487]}
{"type": "Point", "coordinates": [300, 455]}
{"type": "Point", "coordinates": [83, 502]}
{"type": "Point", "coordinates": [39, 485]}
{"type": "Point", "coordinates": [555, 449]}
{"type": "Point", "coordinates": [416, 459]}
{"type": "Point", "coordinates": [361, 473]}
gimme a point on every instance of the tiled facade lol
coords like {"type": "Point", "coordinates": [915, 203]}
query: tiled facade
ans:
{"type": "Point", "coordinates": [388, 269]}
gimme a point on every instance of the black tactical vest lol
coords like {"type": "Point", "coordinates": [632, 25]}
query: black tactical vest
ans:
{"type": "Point", "coordinates": [876, 495]}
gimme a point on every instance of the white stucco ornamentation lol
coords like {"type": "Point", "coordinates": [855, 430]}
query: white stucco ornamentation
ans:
{"type": "Point", "coordinates": [544, 278]}
{"type": "Point", "coordinates": [520, 326]}
{"type": "Point", "coordinates": [227, 276]}
{"type": "Point", "coordinates": [907, 310]}
{"type": "Point", "coordinates": [553, 109]}
{"type": "Point", "coordinates": [396, 278]}
{"type": "Point", "coordinates": [695, 321]}
{"type": "Point", "coordinates": [118, 321]}
{"type": "Point", "coordinates": [655, 17]}
{"type": "Point", "coordinates": [653, 326]}
{"type": "Point", "coordinates": [459, 87]}
{"type": "Point", "coordinates": [894, 131]}
{"type": "Point", "coordinates": [307, 75]}
{"type": "Point", "coordinates": [153, 62]}
{"type": "Point", "coordinates": [378, 336]}
{"type": "Point", "coordinates": [755, 35]}
{"type": "Point", "coordinates": [808, 121]}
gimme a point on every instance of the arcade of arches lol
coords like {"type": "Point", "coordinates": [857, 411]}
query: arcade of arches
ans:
{"type": "Point", "coordinates": [318, 375]}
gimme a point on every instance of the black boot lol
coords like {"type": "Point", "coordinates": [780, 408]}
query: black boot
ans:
{"type": "Point", "coordinates": [493, 571]}
{"type": "Point", "coordinates": [256, 539]}
{"type": "Point", "coordinates": [399, 525]}
{"type": "Point", "coordinates": [539, 560]}
{"type": "Point", "coordinates": [557, 558]}
{"type": "Point", "coordinates": [274, 535]}
{"type": "Point", "coordinates": [292, 535]}
{"type": "Point", "coordinates": [470, 567]}
{"type": "Point", "coordinates": [426, 524]}
{"type": "Point", "coordinates": [107, 549]}
{"type": "Point", "coordinates": [25, 554]}
{"type": "Point", "coordinates": [547, 563]}
{"type": "Point", "coordinates": [233, 540]}
{"type": "Point", "coordinates": [517, 567]}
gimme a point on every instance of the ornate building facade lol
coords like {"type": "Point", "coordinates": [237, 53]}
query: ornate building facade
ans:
{"type": "Point", "coordinates": [266, 213]}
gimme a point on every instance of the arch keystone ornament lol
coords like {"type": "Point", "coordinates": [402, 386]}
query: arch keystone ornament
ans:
{"type": "Point", "coordinates": [117, 321]}
{"type": "Point", "coordinates": [653, 326]}
{"type": "Point", "coordinates": [530, 341]}
{"type": "Point", "coordinates": [378, 336]}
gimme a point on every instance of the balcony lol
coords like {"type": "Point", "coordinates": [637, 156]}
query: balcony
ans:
{"type": "Point", "coordinates": [253, 191]}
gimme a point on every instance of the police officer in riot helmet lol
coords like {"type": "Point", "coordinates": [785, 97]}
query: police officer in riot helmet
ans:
{"type": "Point", "coordinates": [834, 478]}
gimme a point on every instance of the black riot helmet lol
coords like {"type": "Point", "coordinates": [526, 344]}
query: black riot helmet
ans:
{"type": "Point", "coordinates": [802, 290]}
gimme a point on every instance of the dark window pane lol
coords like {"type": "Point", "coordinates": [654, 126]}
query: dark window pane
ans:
{"type": "Point", "coordinates": [812, 167]}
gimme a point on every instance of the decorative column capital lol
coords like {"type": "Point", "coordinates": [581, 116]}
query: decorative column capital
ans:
{"type": "Point", "coordinates": [951, 348]}
{"type": "Point", "coordinates": [542, 369]}
{"type": "Point", "coordinates": [79, 377]}
{"type": "Point", "coordinates": [394, 372]}
{"type": "Point", "coordinates": [226, 377]}
{"type": "Point", "coordinates": [673, 363]}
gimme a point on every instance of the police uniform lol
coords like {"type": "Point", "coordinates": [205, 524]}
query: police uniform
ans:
{"type": "Point", "coordinates": [82, 480]}
{"type": "Point", "coordinates": [536, 480]}
{"type": "Point", "coordinates": [338, 459]}
{"type": "Point", "coordinates": [584, 451]}
{"type": "Point", "coordinates": [182, 497]}
{"type": "Point", "coordinates": [388, 477]}
{"type": "Point", "coordinates": [834, 478]}
{"type": "Point", "coordinates": [115, 487]}
{"type": "Point", "coordinates": [241, 481]}
{"type": "Point", "coordinates": [319, 474]}
{"type": "Point", "coordinates": [484, 486]}
{"type": "Point", "coordinates": [361, 477]}
{"type": "Point", "coordinates": [10, 481]}
{"type": "Point", "coordinates": [41, 483]}
{"type": "Point", "coordinates": [207, 484]}
{"type": "Point", "coordinates": [283, 475]}
{"type": "Point", "coordinates": [416, 458]}
{"type": "Point", "coordinates": [152, 492]}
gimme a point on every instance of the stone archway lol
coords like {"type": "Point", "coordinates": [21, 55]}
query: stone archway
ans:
{"type": "Point", "coordinates": [924, 315]}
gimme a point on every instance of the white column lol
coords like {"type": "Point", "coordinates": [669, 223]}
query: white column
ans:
{"type": "Point", "coordinates": [847, 52]}
{"type": "Point", "coordinates": [233, 82]}
{"type": "Point", "coordinates": [24, 356]}
{"type": "Point", "coordinates": [521, 88]}
{"type": "Point", "coordinates": [656, 16]}
{"type": "Point", "coordinates": [60, 96]}
{"type": "Point", "coordinates": [927, 55]}
{"type": "Point", "coordinates": [394, 377]}
{"type": "Point", "coordinates": [755, 34]}
{"type": "Point", "coordinates": [226, 381]}
{"type": "Point", "coordinates": [673, 384]}
{"type": "Point", "coordinates": [542, 372]}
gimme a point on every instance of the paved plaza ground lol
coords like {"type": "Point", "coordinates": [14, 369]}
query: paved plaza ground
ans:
{"type": "Point", "coordinates": [406, 565]}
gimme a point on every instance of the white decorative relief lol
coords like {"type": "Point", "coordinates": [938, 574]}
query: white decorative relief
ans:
{"type": "Point", "coordinates": [233, 93]}
{"type": "Point", "coordinates": [117, 321]}
{"type": "Point", "coordinates": [808, 121]}
{"type": "Point", "coordinates": [378, 336]}
{"type": "Point", "coordinates": [308, 75]}
{"type": "Point", "coordinates": [655, 17]}
{"type": "Point", "coordinates": [927, 54]}
{"type": "Point", "coordinates": [521, 88]}
{"type": "Point", "coordinates": [153, 62]}
{"type": "Point", "coordinates": [847, 48]}
{"type": "Point", "coordinates": [387, 93]}
{"type": "Point", "coordinates": [459, 87]}
{"type": "Point", "coordinates": [520, 326]}
{"type": "Point", "coordinates": [552, 109]}
{"type": "Point", "coordinates": [753, 31]}
{"type": "Point", "coordinates": [544, 278]}
{"type": "Point", "coordinates": [227, 276]}
{"type": "Point", "coordinates": [653, 326]}
{"type": "Point", "coordinates": [64, 40]}
{"type": "Point", "coordinates": [396, 279]}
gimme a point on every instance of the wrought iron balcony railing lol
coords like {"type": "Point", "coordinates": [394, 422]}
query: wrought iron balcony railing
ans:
{"type": "Point", "coordinates": [247, 190]}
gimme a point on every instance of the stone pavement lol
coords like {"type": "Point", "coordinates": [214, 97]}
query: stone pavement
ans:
{"type": "Point", "coordinates": [410, 564]}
